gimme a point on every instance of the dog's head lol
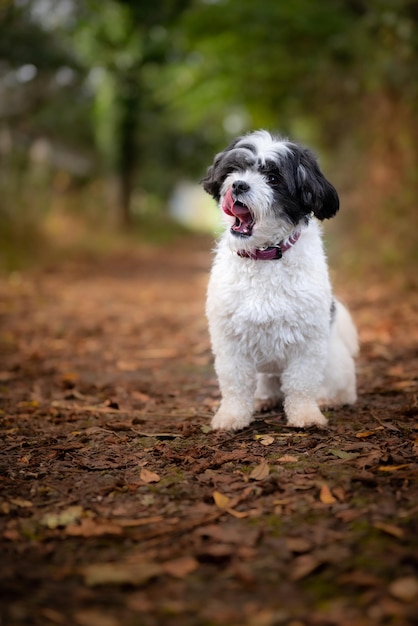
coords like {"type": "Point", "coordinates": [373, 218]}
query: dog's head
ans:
{"type": "Point", "coordinates": [266, 186]}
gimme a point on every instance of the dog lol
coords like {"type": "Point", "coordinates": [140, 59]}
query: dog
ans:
{"type": "Point", "coordinates": [278, 335]}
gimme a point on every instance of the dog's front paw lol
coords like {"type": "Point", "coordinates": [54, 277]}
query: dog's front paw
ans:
{"type": "Point", "coordinates": [224, 420]}
{"type": "Point", "coordinates": [304, 415]}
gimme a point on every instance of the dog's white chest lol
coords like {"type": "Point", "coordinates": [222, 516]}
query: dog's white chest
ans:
{"type": "Point", "coordinates": [265, 306]}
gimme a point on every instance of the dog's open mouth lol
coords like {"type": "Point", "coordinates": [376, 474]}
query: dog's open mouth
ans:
{"type": "Point", "coordinates": [244, 220]}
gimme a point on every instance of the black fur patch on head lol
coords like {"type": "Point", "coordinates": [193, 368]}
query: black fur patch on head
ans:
{"type": "Point", "coordinates": [230, 160]}
{"type": "Point", "coordinates": [299, 187]}
{"type": "Point", "coordinates": [316, 192]}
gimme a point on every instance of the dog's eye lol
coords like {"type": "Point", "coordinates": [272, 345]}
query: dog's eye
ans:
{"type": "Point", "coordinates": [273, 180]}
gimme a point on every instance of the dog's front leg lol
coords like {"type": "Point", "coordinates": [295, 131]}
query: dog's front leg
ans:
{"type": "Point", "coordinates": [237, 381]}
{"type": "Point", "coordinates": [300, 383]}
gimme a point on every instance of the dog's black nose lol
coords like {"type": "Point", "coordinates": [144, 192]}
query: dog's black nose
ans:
{"type": "Point", "coordinates": [240, 186]}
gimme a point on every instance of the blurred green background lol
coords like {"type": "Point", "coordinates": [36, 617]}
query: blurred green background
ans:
{"type": "Point", "coordinates": [111, 110]}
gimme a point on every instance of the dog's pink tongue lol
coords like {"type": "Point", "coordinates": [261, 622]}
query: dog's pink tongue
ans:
{"type": "Point", "coordinates": [228, 203]}
{"type": "Point", "coordinates": [243, 218]}
{"type": "Point", "coordinates": [230, 207]}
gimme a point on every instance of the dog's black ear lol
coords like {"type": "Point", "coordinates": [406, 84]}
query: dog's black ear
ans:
{"type": "Point", "coordinates": [316, 192]}
{"type": "Point", "coordinates": [225, 162]}
{"type": "Point", "coordinates": [210, 182]}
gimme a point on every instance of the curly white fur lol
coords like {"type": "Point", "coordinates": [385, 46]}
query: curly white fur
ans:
{"type": "Point", "coordinates": [276, 334]}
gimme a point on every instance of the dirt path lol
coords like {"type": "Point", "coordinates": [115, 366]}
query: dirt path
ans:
{"type": "Point", "coordinates": [118, 507]}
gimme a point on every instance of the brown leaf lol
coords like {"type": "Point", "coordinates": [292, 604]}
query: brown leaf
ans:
{"type": "Point", "coordinates": [181, 567]}
{"type": "Point", "coordinates": [405, 589]}
{"type": "Point", "coordinates": [53, 616]}
{"type": "Point", "coordinates": [95, 617]}
{"type": "Point", "coordinates": [6, 376]}
{"type": "Point", "coordinates": [342, 454]}
{"type": "Point", "coordinates": [23, 504]}
{"type": "Point", "coordinates": [368, 433]}
{"type": "Point", "coordinates": [361, 579]}
{"type": "Point", "coordinates": [141, 521]}
{"type": "Point", "coordinates": [390, 529]}
{"type": "Point", "coordinates": [237, 514]}
{"type": "Point", "coordinates": [68, 516]}
{"type": "Point", "coordinates": [392, 468]}
{"type": "Point", "coordinates": [326, 496]}
{"type": "Point", "coordinates": [287, 458]}
{"type": "Point", "coordinates": [348, 515]}
{"type": "Point", "coordinates": [137, 574]}
{"type": "Point", "coordinates": [221, 501]}
{"type": "Point", "coordinates": [261, 471]}
{"type": "Point", "coordinates": [298, 544]}
{"type": "Point", "coordinates": [303, 566]}
{"type": "Point", "coordinates": [149, 477]}
{"type": "Point", "coordinates": [140, 397]}
{"type": "Point", "coordinates": [12, 534]}
{"type": "Point", "coordinates": [218, 551]}
{"type": "Point", "coordinates": [90, 528]}
{"type": "Point", "coordinates": [229, 533]}
{"type": "Point", "coordinates": [266, 440]}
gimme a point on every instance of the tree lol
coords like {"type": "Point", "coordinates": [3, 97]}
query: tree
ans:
{"type": "Point", "coordinates": [123, 42]}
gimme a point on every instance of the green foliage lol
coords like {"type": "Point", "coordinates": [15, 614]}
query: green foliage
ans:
{"type": "Point", "coordinates": [147, 91]}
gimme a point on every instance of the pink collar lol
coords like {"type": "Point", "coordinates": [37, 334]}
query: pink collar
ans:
{"type": "Point", "coordinates": [272, 252]}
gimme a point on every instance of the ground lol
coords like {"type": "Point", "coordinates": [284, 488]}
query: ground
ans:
{"type": "Point", "coordinates": [119, 506]}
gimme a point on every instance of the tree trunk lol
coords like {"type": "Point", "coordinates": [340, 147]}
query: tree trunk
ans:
{"type": "Point", "coordinates": [126, 149]}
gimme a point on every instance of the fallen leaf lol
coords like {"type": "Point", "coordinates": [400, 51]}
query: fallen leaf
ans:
{"type": "Point", "coordinates": [404, 589]}
{"type": "Point", "coordinates": [370, 459]}
{"type": "Point", "coordinates": [28, 404]}
{"type": "Point", "coordinates": [390, 426]}
{"type": "Point", "coordinates": [361, 579]}
{"type": "Point", "coordinates": [266, 440]}
{"type": "Point", "coordinates": [237, 514]}
{"type": "Point", "coordinates": [348, 515]}
{"type": "Point", "coordinates": [303, 566]}
{"type": "Point", "coordinates": [181, 567]}
{"type": "Point", "coordinates": [342, 454]}
{"type": "Point", "coordinates": [54, 616]}
{"type": "Point", "coordinates": [261, 471]}
{"type": "Point", "coordinates": [12, 534]}
{"type": "Point", "coordinates": [218, 551]}
{"type": "Point", "coordinates": [287, 458]}
{"type": "Point", "coordinates": [94, 617]}
{"type": "Point", "coordinates": [339, 493]}
{"type": "Point", "coordinates": [221, 500]}
{"type": "Point", "coordinates": [390, 529]}
{"type": "Point", "coordinates": [142, 521]}
{"type": "Point", "coordinates": [392, 468]}
{"type": "Point", "coordinates": [228, 534]}
{"type": "Point", "coordinates": [368, 433]}
{"type": "Point", "coordinates": [404, 385]}
{"type": "Point", "coordinates": [22, 504]}
{"type": "Point", "coordinates": [298, 544]}
{"type": "Point", "coordinates": [137, 574]}
{"type": "Point", "coordinates": [326, 496]}
{"type": "Point", "coordinates": [6, 376]}
{"type": "Point", "coordinates": [149, 477]}
{"type": "Point", "coordinates": [140, 397]}
{"type": "Point", "coordinates": [63, 518]}
{"type": "Point", "coordinates": [90, 528]}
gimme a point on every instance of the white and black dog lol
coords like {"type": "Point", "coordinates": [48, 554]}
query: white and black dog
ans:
{"type": "Point", "coordinates": [277, 332]}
